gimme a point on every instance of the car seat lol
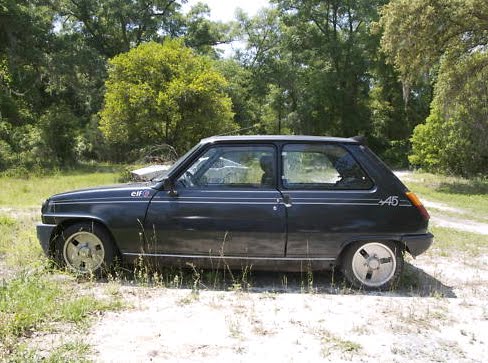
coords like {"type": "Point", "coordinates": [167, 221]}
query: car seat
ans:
{"type": "Point", "coordinates": [267, 165]}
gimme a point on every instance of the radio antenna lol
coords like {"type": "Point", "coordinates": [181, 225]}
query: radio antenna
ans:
{"type": "Point", "coordinates": [237, 131]}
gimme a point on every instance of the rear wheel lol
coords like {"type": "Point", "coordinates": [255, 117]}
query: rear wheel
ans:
{"type": "Point", "coordinates": [373, 265]}
{"type": "Point", "coordinates": [85, 248]}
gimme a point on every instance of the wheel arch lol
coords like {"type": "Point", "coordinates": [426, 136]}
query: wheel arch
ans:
{"type": "Point", "coordinates": [394, 239]}
{"type": "Point", "coordinates": [69, 221]}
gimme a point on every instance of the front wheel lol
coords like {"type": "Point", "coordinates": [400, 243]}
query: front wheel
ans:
{"type": "Point", "coordinates": [373, 265]}
{"type": "Point", "coordinates": [85, 248]}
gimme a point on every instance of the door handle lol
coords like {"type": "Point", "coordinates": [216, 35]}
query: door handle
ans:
{"type": "Point", "coordinates": [287, 200]}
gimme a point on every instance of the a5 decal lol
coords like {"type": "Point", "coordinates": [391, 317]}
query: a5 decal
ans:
{"type": "Point", "coordinates": [392, 200]}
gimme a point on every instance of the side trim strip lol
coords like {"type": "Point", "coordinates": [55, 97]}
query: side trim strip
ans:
{"type": "Point", "coordinates": [231, 257]}
{"type": "Point", "coordinates": [195, 202]}
{"type": "Point", "coordinates": [220, 198]}
{"type": "Point", "coordinates": [105, 202]}
{"type": "Point", "coordinates": [220, 202]}
{"type": "Point", "coordinates": [164, 198]}
{"type": "Point", "coordinates": [116, 198]}
{"type": "Point", "coordinates": [270, 203]}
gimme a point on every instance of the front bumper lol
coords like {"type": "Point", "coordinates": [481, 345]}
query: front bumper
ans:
{"type": "Point", "coordinates": [418, 243]}
{"type": "Point", "coordinates": [44, 233]}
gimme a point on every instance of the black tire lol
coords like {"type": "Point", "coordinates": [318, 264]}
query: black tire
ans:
{"type": "Point", "coordinates": [85, 248]}
{"type": "Point", "coordinates": [373, 265]}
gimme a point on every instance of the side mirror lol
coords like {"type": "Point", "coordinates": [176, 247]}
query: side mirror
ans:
{"type": "Point", "coordinates": [169, 186]}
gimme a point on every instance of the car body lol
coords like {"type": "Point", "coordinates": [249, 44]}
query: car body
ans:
{"type": "Point", "coordinates": [270, 202]}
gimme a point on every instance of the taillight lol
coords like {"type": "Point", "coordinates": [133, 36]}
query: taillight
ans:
{"type": "Point", "coordinates": [418, 204]}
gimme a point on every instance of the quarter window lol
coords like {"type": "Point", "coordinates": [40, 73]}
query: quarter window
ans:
{"type": "Point", "coordinates": [321, 166]}
{"type": "Point", "coordinates": [233, 166]}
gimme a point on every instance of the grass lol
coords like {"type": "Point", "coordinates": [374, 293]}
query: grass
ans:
{"type": "Point", "coordinates": [34, 298]}
{"type": "Point", "coordinates": [68, 352]}
{"type": "Point", "coordinates": [415, 317]}
{"type": "Point", "coordinates": [19, 246]}
{"type": "Point", "coordinates": [332, 343]}
{"type": "Point", "coordinates": [449, 241]}
{"type": "Point", "coordinates": [26, 302]}
{"type": "Point", "coordinates": [192, 297]}
{"type": "Point", "coordinates": [31, 191]}
{"type": "Point", "coordinates": [468, 194]}
{"type": "Point", "coordinates": [235, 328]}
{"type": "Point", "coordinates": [34, 301]}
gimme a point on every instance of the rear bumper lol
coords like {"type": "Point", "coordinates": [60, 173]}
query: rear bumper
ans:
{"type": "Point", "coordinates": [44, 233]}
{"type": "Point", "coordinates": [418, 243]}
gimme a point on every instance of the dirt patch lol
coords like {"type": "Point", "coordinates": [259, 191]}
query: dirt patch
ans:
{"type": "Point", "coordinates": [443, 207]}
{"type": "Point", "coordinates": [18, 213]}
{"type": "Point", "coordinates": [442, 319]}
{"type": "Point", "coordinates": [460, 224]}
{"type": "Point", "coordinates": [404, 175]}
{"type": "Point", "coordinates": [6, 273]}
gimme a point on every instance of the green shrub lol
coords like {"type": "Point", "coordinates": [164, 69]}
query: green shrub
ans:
{"type": "Point", "coordinates": [396, 154]}
{"type": "Point", "coordinates": [454, 138]}
{"type": "Point", "coordinates": [5, 155]}
{"type": "Point", "coordinates": [163, 93]}
{"type": "Point", "coordinates": [58, 127]}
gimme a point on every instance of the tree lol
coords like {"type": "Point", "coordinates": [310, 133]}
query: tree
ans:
{"type": "Point", "coordinates": [25, 31]}
{"type": "Point", "coordinates": [240, 88]}
{"type": "Point", "coordinates": [328, 42]}
{"type": "Point", "coordinates": [265, 77]}
{"type": "Point", "coordinates": [59, 128]}
{"type": "Point", "coordinates": [453, 139]}
{"type": "Point", "coordinates": [392, 120]}
{"type": "Point", "coordinates": [25, 35]}
{"type": "Point", "coordinates": [445, 42]}
{"type": "Point", "coordinates": [115, 26]}
{"type": "Point", "coordinates": [202, 34]}
{"type": "Point", "coordinates": [163, 93]}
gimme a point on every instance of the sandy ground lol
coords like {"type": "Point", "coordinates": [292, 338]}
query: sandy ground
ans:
{"type": "Point", "coordinates": [445, 318]}
{"type": "Point", "coordinates": [281, 318]}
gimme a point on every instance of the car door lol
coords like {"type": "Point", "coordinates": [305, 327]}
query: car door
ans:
{"type": "Point", "coordinates": [329, 198]}
{"type": "Point", "coordinates": [226, 203]}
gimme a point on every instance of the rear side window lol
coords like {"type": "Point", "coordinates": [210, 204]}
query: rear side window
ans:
{"type": "Point", "coordinates": [322, 166]}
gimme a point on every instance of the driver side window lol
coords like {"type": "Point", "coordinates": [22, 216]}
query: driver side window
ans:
{"type": "Point", "coordinates": [251, 166]}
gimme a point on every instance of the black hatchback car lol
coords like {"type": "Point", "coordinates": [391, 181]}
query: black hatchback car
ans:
{"type": "Point", "coordinates": [267, 202]}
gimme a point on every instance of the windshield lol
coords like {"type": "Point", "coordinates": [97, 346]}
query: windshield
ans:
{"type": "Point", "coordinates": [163, 174]}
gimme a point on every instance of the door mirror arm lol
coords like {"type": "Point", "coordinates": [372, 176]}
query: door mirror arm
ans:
{"type": "Point", "coordinates": [169, 187]}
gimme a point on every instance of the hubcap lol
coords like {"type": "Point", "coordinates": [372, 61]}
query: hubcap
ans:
{"type": "Point", "coordinates": [83, 252]}
{"type": "Point", "coordinates": [374, 264]}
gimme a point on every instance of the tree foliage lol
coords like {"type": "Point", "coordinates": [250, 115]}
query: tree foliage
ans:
{"type": "Point", "coordinates": [204, 35]}
{"type": "Point", "coordinates": [453, 139]}
{"type": "Point", "coordinates": [115, 26]}
{"type": "Point", "coordinates": [446, 42]}
{"type": "Point", "coordinates": [145, 72]}
{"type": "Point", "coordinates": [163, 94]}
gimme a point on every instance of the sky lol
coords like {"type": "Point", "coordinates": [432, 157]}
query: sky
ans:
{"type": "Point", "coordinates": [224, 10]}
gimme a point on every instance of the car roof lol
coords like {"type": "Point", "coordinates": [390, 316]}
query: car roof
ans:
{"type": "Point", "coordinates": [248, 138]}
